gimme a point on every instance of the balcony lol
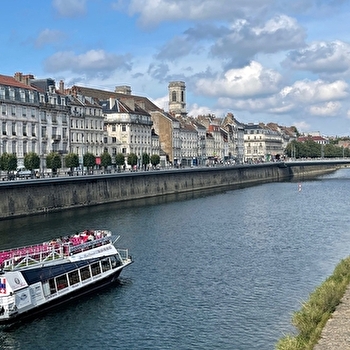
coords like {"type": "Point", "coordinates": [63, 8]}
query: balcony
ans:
{"type": "Point", "coordinates": [56, 137]}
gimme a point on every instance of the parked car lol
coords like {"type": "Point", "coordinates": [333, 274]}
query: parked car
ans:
{"type": "Point", "coordinates": [23, 173]}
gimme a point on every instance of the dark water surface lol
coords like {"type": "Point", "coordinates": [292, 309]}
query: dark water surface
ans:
{"type": "Point", "coordinates": [219, 270]}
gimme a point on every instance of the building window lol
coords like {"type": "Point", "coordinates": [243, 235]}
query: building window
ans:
{"type": "Point", "coordinates": [4, 109]}
{"type": "Point", "coordinates": [14, 146]}
{"type": "Point", "coordinates": [14, 128]}
{"type": "Point", "coordinates": [24, 128]}
{"type": "Point", "coordinates": [123, 127]}
{"type": "Point", "coordinates": [33, 129]}
{"type": "Point", "coordinates": [4, 132]}
{"type": "Point", "coordinates": [173, 96]}
{"type": "Point", "coordinates": [43, 116]}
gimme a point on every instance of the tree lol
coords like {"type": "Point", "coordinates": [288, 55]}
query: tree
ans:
{"type": "Point", "coordinates": [155, 159]}
{"type": "Point", "coordinates": [106, 160]}
{"type": "Point", "coordinates": [119, 160]}
{"type": "Point", "coordinates": [145, 160]}
{"type": "Point", "coordinates": [31, 161]}
{"type": "Point", "coordinates": [8, 162]}
{"type": "Point", "coordinates": [132, 159]}
{"type": "Point", "coordinates": [89, 161]}
{"type": "Point", "coordinates": [72, 161]}
{"type": "Point", "coordinates": [53, 161]}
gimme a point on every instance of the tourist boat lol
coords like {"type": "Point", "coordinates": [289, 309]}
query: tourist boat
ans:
{"type": "Point", "coordinates": [37, 278]}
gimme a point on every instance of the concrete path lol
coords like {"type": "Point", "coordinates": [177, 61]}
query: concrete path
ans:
{"type": "Point", "coordinates": [336, 333]}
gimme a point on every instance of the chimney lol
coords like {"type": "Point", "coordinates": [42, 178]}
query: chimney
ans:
{"type": "Point", "coordinates": [123, 89]}
{"type": "Point", "coordinates": [111, 102]}
{"type": "Point", "coordinates": [18, 76]}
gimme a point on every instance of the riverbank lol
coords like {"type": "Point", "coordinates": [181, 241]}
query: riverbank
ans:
{"type": "Point", "coordinates": [323, 322]}
{"type": "Point", "coordinates": [30, 197]}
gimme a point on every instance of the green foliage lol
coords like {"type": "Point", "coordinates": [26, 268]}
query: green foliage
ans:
{"type": "Point", "coordinates": [106, 159]}
{"type": "Point", "coordinates": [145, 158]}
{"type": "Point", "coordinates": [89, 160]}
{"type": "Point", "coordinates": [311, 149]}
{"type": "Point", "coordinates": [119, 159]}
{"type": "Point", "coordinates": [314, 314]}
{"type": "Point", "coordinates": [132, 159]}
{"type": "Point", "coordinates": [72, 160]}
{"type": "Point", "coordinates": [31, 161]}
{"type": "Point", "coordinates": [8, 162]}
{"type": "Point", "coordinates": [155, 159]}
{"type": "Point", "coordinates": [53, 161]}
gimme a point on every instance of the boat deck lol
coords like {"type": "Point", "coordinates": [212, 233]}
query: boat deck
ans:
{"type": "Point", "coordinates": [56, 249]}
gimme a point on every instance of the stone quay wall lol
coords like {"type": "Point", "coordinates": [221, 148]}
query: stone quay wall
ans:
{"type": "Point", "coordinates": [30, 197]}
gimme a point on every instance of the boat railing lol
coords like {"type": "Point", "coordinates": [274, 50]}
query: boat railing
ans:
{"type": "Point", "coordinates": [124, 255]}
{"type": "Point", "coordinates": [27, 257]}
{"type": "Point", "coordinates": [88, 245]}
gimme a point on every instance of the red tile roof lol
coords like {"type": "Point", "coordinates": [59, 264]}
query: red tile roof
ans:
{"type": "Point", "coordinates": [10, 81]}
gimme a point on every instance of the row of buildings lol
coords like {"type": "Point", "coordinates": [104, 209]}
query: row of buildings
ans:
{"type": "Point", "coordinates": [38, 116]}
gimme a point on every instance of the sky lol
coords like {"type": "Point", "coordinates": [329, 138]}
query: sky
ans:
{"type": "Point", "coordinates": [279, 61]}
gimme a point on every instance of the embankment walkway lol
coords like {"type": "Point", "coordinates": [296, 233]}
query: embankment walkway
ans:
{"type": "Point", "coordinates": [336, 333]}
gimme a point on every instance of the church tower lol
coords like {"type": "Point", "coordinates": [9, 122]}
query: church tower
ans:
{"type": "Point", "coordinates": [177, 98]}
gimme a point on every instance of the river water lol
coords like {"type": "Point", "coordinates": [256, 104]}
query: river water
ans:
{"type": "Point", "coordinates": [214, 270]}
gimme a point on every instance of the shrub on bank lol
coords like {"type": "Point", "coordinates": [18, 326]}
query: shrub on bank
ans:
{"type": "Point", "coordinates": [314, 313]}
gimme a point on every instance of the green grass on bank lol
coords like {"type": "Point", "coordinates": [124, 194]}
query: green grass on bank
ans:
{"type": "Point", "coordinates": [315, 312]}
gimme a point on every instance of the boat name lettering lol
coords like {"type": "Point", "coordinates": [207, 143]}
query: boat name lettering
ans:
{"type": "Point", "coordinates": [100, 250]}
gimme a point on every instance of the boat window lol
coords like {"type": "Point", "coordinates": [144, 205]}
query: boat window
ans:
{"type": "Point", "coordinates": [95, 269]}
{"type": "Point", "coordinates": [85, 273]}
{"type": "Point", "coordinates": [61, 282]}
{"type": "Point", "coordinates": [52, 286]}
{"type": "Point", "coordinates": [114, 262]}
{"type": "Point", "coordinates": [73, 277]}
{"type": "Point", "coordinates": [105, 265]}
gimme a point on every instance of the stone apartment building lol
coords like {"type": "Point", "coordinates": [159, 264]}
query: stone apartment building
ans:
{"type": "Point", "coordinates": [34, 117]}
{"type": "Point", "coordinates": [262, 143]}
{"type": "Point", "coordinates": [39, 117]}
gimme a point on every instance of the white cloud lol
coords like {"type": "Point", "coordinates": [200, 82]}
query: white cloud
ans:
{"type": "Point", "coordinates": [153, 12]}
{"type": "Point", "coordinates": [321, 57]}
{"type": "Point", "coordinates": [326, 109]}
{"type": "Point", "coordinates": [245, 82]}
{"type": "Point", "coordinates": [70, 8]}
{"type": "Point", "coordinates": [196, 110]}
{"type": "Point", "coordinates": [48, 36]}
{"type": "Point", "coordinates": [90, 62]}
{"type": "Point", "coordinates": [307, 91]}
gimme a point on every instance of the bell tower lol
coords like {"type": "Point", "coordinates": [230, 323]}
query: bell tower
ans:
{"type": "Point", "coordinates": [177, 98]}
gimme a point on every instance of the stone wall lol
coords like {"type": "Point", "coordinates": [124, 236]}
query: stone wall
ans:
{"type": "Point", "coordinates": [29, 197]}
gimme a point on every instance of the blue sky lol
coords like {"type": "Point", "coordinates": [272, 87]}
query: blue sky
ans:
{"type": "Point", "coordinates": [280, 61]}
